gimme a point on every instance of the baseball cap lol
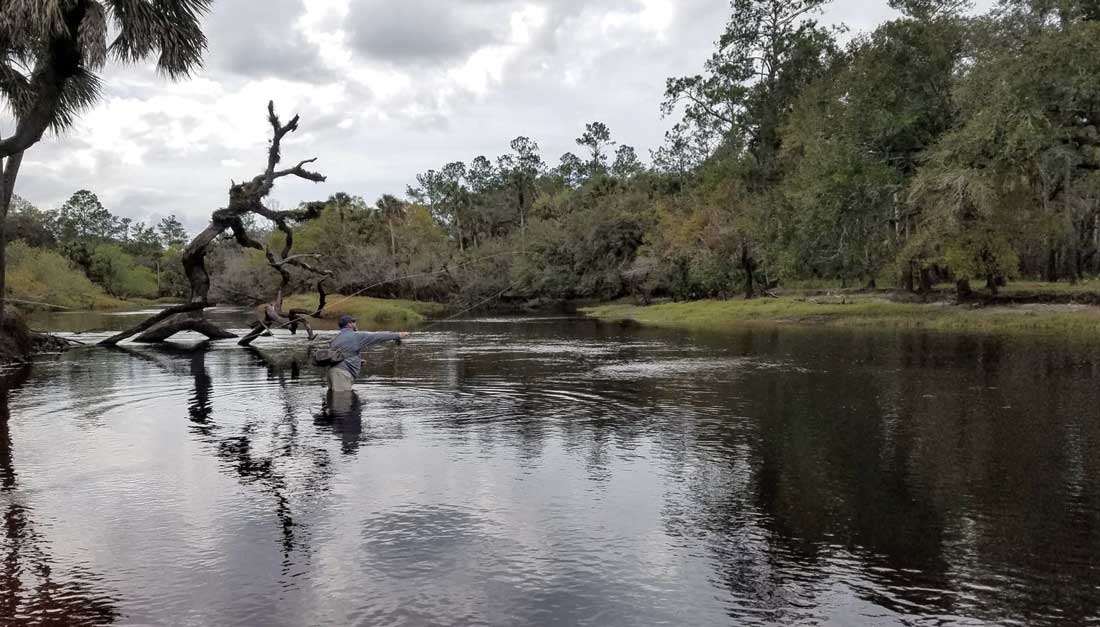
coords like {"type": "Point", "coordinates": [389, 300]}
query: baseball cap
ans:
{"type": "Point", "coordinates": [345, 320]}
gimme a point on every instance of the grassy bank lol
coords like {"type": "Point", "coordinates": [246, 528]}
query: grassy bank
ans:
{"type": "Point", "coordinates": [86, 302]}
{"type": "Point", "coordinates": [861, 311]}
{"type": "Point", "coordinates": [372, 313]}
{"type": "Point", "coordinates": [43, 280]}
{"type": "Point", "coordinates": [1083, 287]}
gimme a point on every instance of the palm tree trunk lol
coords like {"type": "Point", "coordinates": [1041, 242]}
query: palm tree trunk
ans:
{"type": "Point", "coordinates": [3, 259]}
{"type": "Point", "coordinates": [9, 169]}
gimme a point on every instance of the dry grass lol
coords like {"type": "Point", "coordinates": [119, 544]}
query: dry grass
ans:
{"type": "Point", "coordinates": [371, 312]}
{"type": "Point", "coordinates": [862, 311]}
{"type": "Point", "coordinates": [1088, 286]}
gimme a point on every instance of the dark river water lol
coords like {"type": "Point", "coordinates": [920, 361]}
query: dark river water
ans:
{"type": "Point", "coordinates": [556, 471]}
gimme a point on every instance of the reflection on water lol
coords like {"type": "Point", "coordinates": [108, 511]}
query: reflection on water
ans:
{"type": "Point", "coordinates": [557, 471]}
{"type": "Point", "coordinates": [342, 414]}
{"type": "Point", "coordinates": [35, 585]}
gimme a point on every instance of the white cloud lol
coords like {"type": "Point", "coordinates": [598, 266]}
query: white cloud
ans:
{"type": "Point", "coordinates": [654, 17]}
{"type": "Point", "coordinates": [485, 67]}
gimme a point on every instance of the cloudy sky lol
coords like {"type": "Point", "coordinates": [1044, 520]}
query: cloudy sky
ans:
{"type": "Point", "coordinates": [386, 89]}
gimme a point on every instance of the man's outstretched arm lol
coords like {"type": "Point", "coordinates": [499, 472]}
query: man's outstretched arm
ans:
{"type": "Point", "coordinates": [372, 338]}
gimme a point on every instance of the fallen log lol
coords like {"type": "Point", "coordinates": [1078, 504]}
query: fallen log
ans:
{"type": "Point", "coordinates": [150, 322]}
{"type": "Point", "coordinates": [162, 332]}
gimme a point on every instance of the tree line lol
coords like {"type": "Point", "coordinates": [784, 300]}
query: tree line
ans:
{"type": "Point", "coordinates": [941, 146]}
{"type": "Point", "coordinates": [124, 258]}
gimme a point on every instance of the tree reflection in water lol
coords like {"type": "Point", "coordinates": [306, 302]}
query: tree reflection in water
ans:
{"type": "Point", "coordinates": [925, 474]}
{"type": "Point", "coordinates": [265, 452]}
{"type": "Point", "coordinates": [33, 590]}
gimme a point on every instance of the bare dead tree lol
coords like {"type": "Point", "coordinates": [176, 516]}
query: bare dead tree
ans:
{"type": "Point", "coordinates": [244, 198]}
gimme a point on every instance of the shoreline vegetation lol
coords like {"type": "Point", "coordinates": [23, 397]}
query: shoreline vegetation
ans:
{"type": "Point", "coordinates": [1048, 308]}
{"type": "Point", "coordinates": [1023, 308]}
{"type": "Point", "coordinates": [106, 303]}
{"type": "Point", "coordinates": [103, 303]}
{"type": "Point", "coordinates": [370, 311]}
{"type": "Point", "coordinates": [366, 309]}
{"type": "Point", "coordinates": [1032, 309]}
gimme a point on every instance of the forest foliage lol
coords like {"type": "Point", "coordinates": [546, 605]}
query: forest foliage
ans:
{"type": "Point", "coordinates": [82, 256]}
{"type": "Point", "coordinates": [942, 145]}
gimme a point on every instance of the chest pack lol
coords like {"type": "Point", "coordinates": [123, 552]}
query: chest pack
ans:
{"type": "Point", "coordinates": [328, 356]}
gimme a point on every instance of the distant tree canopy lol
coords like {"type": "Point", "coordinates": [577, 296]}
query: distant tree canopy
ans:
{"type": "Point", "coordinates": [940, 146]}
{"type": "Point", "coordinates": [171, 231]}
{"type": "Point", "coordinates": [937, 147]}
{"type": "Point", "coordinates": [125, 258]}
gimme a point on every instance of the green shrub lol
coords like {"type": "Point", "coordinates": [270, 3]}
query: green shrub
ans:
{"type": "Point", "coordinates": [120, 274]}
{"type": "Point", "coordinates": [44, 276]}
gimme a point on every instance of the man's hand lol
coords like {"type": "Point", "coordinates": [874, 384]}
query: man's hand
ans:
{"type": "Point", "coordinates": [403, 334]}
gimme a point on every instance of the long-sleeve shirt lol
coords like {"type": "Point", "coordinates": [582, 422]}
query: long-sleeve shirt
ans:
{"type": "Point", "coordinates": [352, 343]}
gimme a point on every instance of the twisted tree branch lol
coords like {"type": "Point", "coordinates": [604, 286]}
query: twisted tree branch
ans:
{"type": "Point", "coordinates": [245, 198]}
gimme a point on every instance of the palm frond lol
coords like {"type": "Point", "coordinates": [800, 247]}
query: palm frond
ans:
{"type": "Point", "coordinates": [15, 89]}
{"type": "Point", "coordinates": [40, 17]}
{"type": "Point", "coordinates": [49, 50]}
{"type": "Point", "coordinates": [78, 94]}
{"type": "Point", "coordinates": [136, 21]}
{"type": "Point", "coordinates": [171, 27]}
{"type": "Point", "coordinates": [92, 36]}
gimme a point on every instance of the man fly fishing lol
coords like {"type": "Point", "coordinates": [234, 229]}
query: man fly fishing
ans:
{"type": "Point", "coordinates": [346, 348]}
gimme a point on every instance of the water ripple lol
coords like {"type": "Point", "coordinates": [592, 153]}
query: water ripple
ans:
{"type": "Point", "coordinates": [498, 472]}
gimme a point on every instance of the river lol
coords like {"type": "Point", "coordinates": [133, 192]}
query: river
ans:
{"type": "Point", "coordinates": [539, 471]}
